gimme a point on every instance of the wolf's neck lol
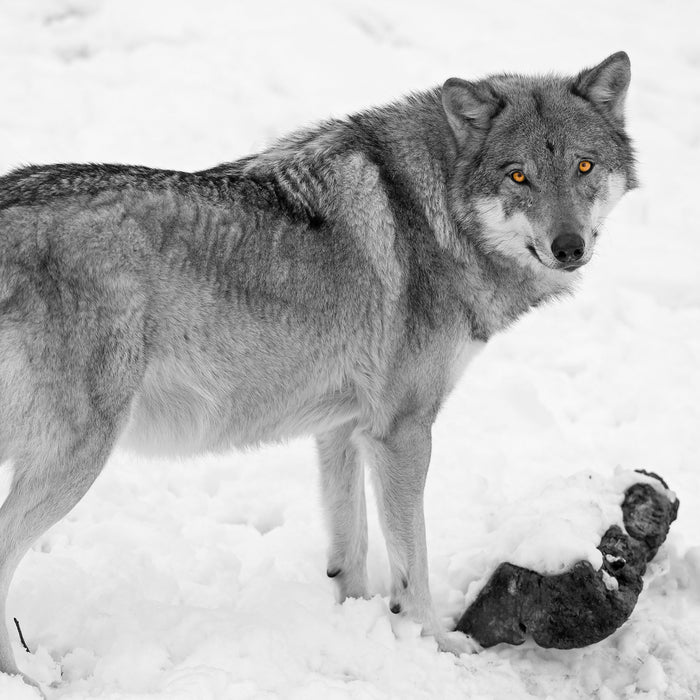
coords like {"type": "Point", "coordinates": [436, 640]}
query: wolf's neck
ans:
{"type": "Point", "coordinates": [496, 292]}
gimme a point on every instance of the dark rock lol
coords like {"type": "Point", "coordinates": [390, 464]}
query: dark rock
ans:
{"type": "Point", "coordinates": [581, 606]}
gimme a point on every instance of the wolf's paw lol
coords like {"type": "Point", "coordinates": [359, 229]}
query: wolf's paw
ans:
{"type": "Point", "coordinates": [456, 643]}
{"type": "Point", "coordinates": [349, 584]}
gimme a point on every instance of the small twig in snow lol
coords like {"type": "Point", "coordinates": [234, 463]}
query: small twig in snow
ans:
{"type": "Point", "coordinates": [21, 636]}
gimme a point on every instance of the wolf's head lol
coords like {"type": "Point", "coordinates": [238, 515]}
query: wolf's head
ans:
{"type": "Point", "coordinates": [540, 161]}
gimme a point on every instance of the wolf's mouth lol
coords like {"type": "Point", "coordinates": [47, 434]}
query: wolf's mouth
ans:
{"type": "Point", "coordinates": [531, 248]}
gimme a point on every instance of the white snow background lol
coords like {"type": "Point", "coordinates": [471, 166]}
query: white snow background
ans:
{"type": "Point", "coordinates": [205, 578]}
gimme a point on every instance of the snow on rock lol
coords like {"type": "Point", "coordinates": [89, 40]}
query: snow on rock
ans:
{"type": "Point", "coordinates": [206, 578]}
{"type": "Point", "coordinates": [582, 605]}
{"type": "Point", "coordinates": [558, 523]}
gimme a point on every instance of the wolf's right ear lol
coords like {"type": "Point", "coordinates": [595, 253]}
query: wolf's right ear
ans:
{"type": "Point", "coordinates": [605, 85]}
{"type": "Point", "coordinates": [470, 107]}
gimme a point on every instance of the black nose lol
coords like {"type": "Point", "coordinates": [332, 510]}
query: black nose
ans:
{"type": "Point", "coordinates": [568, 247]}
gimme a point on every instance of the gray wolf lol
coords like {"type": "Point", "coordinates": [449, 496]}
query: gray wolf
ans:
{"type": "Point", "coordinates": [335, 284]}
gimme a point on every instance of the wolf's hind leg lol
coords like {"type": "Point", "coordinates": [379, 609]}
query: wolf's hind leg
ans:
{"type": "Point", "coordinates": [45, 486]}
{"type": "Point", "coordinates": [343, 492]}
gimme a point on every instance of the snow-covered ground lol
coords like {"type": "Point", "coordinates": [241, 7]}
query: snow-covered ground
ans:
{"type": "Point", "coordinates": [206, 578]}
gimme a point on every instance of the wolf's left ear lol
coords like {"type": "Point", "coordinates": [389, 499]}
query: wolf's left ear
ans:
{"type": "Point", "coordinates": [606, 84]}
{"type": "Point", "coordinates": [469, 108]}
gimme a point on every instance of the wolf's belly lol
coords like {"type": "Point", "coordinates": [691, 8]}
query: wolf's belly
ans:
{"type": "Point", "coordinates": [178, 412]}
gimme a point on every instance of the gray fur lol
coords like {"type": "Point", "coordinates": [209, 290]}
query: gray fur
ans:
{"type": "Point", "coordinates": [334, 285]}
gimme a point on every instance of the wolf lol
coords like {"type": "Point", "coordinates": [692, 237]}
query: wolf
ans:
{"type": "Point", "coordinates": [335, 285]}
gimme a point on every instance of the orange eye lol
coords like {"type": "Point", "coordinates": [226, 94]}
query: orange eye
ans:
{"type": "Point", "coordinates": [518, 176]}
{"type": "Point", "coordinates": [585, 166]}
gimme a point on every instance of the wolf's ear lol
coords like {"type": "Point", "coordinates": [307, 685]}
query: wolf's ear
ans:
{"type": "Point", "coordinates": [606, 84]}
{"type": "Point", "coordinates": [469, 107]}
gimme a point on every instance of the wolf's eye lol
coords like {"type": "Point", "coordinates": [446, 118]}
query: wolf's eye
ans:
{"type": "Point", "coordinates": [585, 166]}
{"type": "Point", "coordinates": [518, 176]}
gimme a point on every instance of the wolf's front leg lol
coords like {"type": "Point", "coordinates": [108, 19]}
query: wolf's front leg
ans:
{"type": "Point", "coordinates": [343, 492]}
{"type": "Point", "coordinates": [400, 464]}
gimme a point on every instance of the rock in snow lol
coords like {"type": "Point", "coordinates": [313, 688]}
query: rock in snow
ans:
{"type": "Point", "coordinates": [581, 606]}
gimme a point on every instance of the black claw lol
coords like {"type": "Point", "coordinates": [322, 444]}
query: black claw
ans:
{"type": "Point", "coordinates": [395, 608]}
{"type": "Point", "coordinates": [405, 583]}
{"type": "Point", "coordinates": [332, 573]}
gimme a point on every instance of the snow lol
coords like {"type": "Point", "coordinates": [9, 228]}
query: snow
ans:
{"type": "Point", "coordinates": [206, 578]}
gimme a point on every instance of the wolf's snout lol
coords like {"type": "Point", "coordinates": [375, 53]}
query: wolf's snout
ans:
{"type": "Point", "coordinates": [568, 247]}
